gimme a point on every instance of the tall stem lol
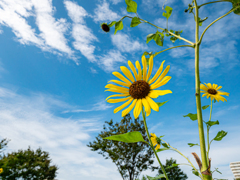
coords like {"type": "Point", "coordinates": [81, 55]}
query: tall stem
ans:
{"type": "Point", "coordinates": [198, 100]}
{"type": "Point", "coordinates": [145, 124]}
{"type": "Point", "coordinates": [208, 128]}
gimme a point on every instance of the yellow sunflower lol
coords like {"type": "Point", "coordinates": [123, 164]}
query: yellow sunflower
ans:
{"type": "Point", "coordinates": [213, 92]}
{"type": "Point", "coordinates": [137, 88]}
{"type": "Point", "coordinates": [154, 141]}
{"type": "Point", "coordinates": [1, 170]}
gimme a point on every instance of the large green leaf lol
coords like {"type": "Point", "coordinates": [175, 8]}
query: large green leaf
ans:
{"type": "Point", "coordinates": [221, 134]}
{"type": "Point", "coordinates": [162, 149]}
{"type": "Point", "coordinates": [205, 107]}
{"type": "Point", "coordinates": [236, 3]}
{"type": "Point", "coordinates": [211, 123]}
{"type": "Point", "coordinates": [191, 144]}
{"type": "Point", "coordinates": [149, 37]}
{"type": "Point", "coordinates": [161, 103]}
{"type": "Point", "coordinates": [130, 137]}
{"type": "Point", "coordinates": [118, 26]}
{"type": "Point", "coordinates": [192, 116]}
{"type": "Point", "coordinates": [156, 178]}
{"type": "Point", "coordinates": [168, 12]}
{"type": "Point", "coordinates": [135, 21]}
{"type": "Point", "coordinates": [131, 6]}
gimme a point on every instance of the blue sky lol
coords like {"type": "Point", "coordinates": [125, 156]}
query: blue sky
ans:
{"type": "Point", "coordinates": [55, 62]}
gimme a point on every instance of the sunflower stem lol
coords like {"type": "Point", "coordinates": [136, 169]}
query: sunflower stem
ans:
{"type": "Point", "coordinates": [208, 128]}
{"type": "Point", "coordinates": [151, 144]}
{"type": "Point", "coordinates": [198, 101]}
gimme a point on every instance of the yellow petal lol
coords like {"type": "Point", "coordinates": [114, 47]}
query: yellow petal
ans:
{"type": "Point", "coordinates": [133, 69]}
{"type": "Point", "coordinates": [203, 87]}
{"type": "Point", "coordinates": [119, 82]}
{"type": "Point", "coordinates": [152, 104]}
{"type": "Point", "coordinates": [118, 91]}
{"type": "Point", "coordinates": [162, 75]}
{"type": "Point", "coordinates": [118, 100]}
{"type": "Point", "coordinates": [156, 93]}
{"type": "Point", "coordinates": [138, 108]}
{"type": "Point", "coordinates": [163, 82]}
{"type": "Point", "coordinates": [123, 106]}
{"type": "Point", "coordinates": [154, 135]}
{"type": "Point", "coordinates": [223, 93]}
{"type": "Point", "coordinates": [112, 86]}
{"type": "Point", "coordinates": [221, 98]}
{"type": "Point", "coordinates": [116, 95]}
{"type": "Point", "coordinates": [214, 86]}
{"type": "Point", "coordinates": [144, 63]}
{"type": "Point", "coordinates": [150, 67]}
{"type": "Point", "coordinates": [127, 110]}
{"type": "Point", "coordinates": [219, 87]}
{"type": "Point", "coordinates": [121, 77]}
{"type": "Point", "coordinates": [157, 73]}
{"type": "Point", "coordinates": [157, 147]}
{"type": "Point", "coordinates": [146, 106]}
{"type": "Point", "coordinates": [138, 66]}
{"type": "Point", "coordinates": [209, 85]}
{"type": "Point", "coordinates": [204, 94]}
{"type": "Point", "coordinates": [127, 73]}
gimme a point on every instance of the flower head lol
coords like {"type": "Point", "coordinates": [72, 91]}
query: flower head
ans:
{"type": "Point", "coordinates": [138, 88]}
{"type": "Point", "coordinates": [105, 27]}
{"type": "Point", "coordinates": [213, 92]}
{"type": "Point", "coordinates": [155, 140]}
{"type": "Point", "coordinates": [1, 170]}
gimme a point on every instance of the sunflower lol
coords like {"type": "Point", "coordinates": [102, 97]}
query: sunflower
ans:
{"type": "Point", "coordinates": [154, 141]}
{"type": "Point", "coordinates": [138, 89]}
{"type": "Point", "coordinates": [213, 92]}
{"type": "Point", "coordinates": [1, 170]}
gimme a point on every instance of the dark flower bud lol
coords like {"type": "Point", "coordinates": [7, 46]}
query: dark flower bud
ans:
{"type": "Point", "coordinates": [105, 27]}
{"type": "Point", "coordinates": [186, 10]}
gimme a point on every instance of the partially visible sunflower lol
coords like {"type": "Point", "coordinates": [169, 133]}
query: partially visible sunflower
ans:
{"type": "Point", "coordinates": [213, 92]}
{"type": "Point", "coordinates": [154, 140]}
{"type": "Point", "coordinates": [1, 170]}
{"type": "Point", "coordinates": [138, 89]}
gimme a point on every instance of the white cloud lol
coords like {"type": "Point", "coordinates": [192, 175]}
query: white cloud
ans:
{"type": "Point", "coordinates": [80, 32]}
{"type": "Point", "coordinates": [126, 44]}
{"type": "Point", "coordinates": [30, 121]}
{"type": "Point", "coordinates": [115, 1]}
{"type": "Point", "coordinates": [103, 13]}
{"type": "Point", "coordinates": [108, 62]}
{"type": "Point", "coordinates": [94, 71]}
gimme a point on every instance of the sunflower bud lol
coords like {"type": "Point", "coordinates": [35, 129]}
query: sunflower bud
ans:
{"type": "Point", "coordinates": [105, 27]}
{"type": "Point", "coordinates": [186, 10]}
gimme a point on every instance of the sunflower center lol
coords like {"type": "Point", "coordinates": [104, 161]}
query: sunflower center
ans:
{"type": "Point", "coordinates": [212, 91]}
{"type": "Point", "coordinates": [139, 89]}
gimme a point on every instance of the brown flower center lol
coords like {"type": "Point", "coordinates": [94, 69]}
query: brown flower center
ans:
{"type": "Point", "coordinates": [139, 89]}
{"type": "Point", "coordinates": [105, 28]}
{"type": "Point", "coordinates": [212, 91]}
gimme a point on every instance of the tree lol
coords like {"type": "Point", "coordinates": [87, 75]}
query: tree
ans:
{"type": "Point", "coordinates": [26, 164]}
{"type": "Point", "coordinates": [130, 158]}
{"type": "Point", "coordinates": [174, 173]}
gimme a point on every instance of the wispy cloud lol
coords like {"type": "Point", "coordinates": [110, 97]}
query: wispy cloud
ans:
{"type": "Point", "coordinates": [104, 13]}
{"type": "Point", "coordinates": [80, 32]}
{"type": "Point", "coordinates": [126, 44]}
{"type": "Point", "coordinates": [29, 121]}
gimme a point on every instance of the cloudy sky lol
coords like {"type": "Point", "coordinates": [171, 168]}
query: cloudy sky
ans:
{"type": "Point", "coordinates": [55, 62]}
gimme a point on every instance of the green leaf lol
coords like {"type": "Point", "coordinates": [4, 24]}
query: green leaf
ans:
{"type": "Point", "coordinates": [131, 6]}
{"type": "Point", "coordinates": [173, 165]}
{"type": "Point", "coordinates": [191, 144]}
{"type": "Point", "coordinates": [145, 53]}
{"type": "Point", "coordinates": [165, 145]}
{"type": "Point", "coordinates": [149, 37]}
{"type": "Point", "coordinates": [211, 123]}
{"type": "Point", "coordinates": [112, 23]}
{"type": "Point", "coordinates": [192, 116]}
{"type": "Point", "coordinates": [236, 3]}
{"type": "Point", "coordinates": [161, 103]}
{"type": "Point", "coordinates": [195, 172]}
{"type": "Point", "coordinates": [169, 12]}
{"type": "Point", "coordinates": [216, 169]}
{"type": "Point", "coordinates": [205, 107]}
{"type": "Point", "coordinates": [158, 39]}
{"type": "Point", "coordinates": [130, 137]}
{"type": "Point", "coordinates": [220, 135]}
{"type": "Point", "coordinates": [161, 136]}
{"type": "Point", "coordinates": [162, 149]}
{"type": "Point", "coordinates": [135, 21]}
{"type": "Point", "coordinates": [156, 178]}
{"type": "Point", "coordinates": [118, 26]}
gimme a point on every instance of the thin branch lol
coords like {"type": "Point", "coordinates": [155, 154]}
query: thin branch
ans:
{"type": "Point", "coordinates": [212, 2]}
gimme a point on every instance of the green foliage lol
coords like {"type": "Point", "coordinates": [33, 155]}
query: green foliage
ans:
{"type": "Point", "coordinates": [193, 117]}
{"type": "Point", "coordinates": [161, 103]}
{"type": "Point", "coordinates": [118, 26]}
{"type": "Point", "coordinates": [168, 12]}
{"type": "Point", "coordinates": [191, 144]}
{"type": "Point", "coordinates": [173, 171]}
{"type": "Point", "coordinates": [135, 21]}
{"type": "Point", "coordinates": [211, 123]}
{"type": "Point", "coordinates": [236, 3]}
{"type": "Point", "coordinates": [173, 38]}
{"type": "Point", "coordinates": [158, 37]}
{"type": "Point", "coordinates": [195, 172]}
{"type": "Point", "coordinates": [112, 23]}
{"type": "Point", "coordinates": [220, 135]}
{"type": "Point", "coordinates": [201, 20]}
{"type": "Point", "coordinates": [205, 107]}
{"type": "Point", "coordinates": [130, 158]}
{"type": "Point", "coordinates": [157, 177]}
{"type": "Point", "coordinates": [131, 6]}
{"type": "Point", "coordinates": [130, 137]}
{"type": "Point", "coordinates": [27, 164]}
{"type": "Point", "coordinates": [3, 144]}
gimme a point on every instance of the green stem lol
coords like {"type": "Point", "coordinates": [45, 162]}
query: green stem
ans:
{"type": "Point", "coordinates": [179, 37]}
{"type": "Point", "coordinates": [216, 21]}
{"type": "Point", "coordinates": [171, 48]}
{"type": "Point", "coordinates": [145, 124]}
{"type": "Point", "coordinates": [208, 128]}
{"type": "Point", "coordinates": [198, 100]}
{"type": "Point", "coordinates": [212, 2]}
{"type": "Point", "coordinates": [183, 156]}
